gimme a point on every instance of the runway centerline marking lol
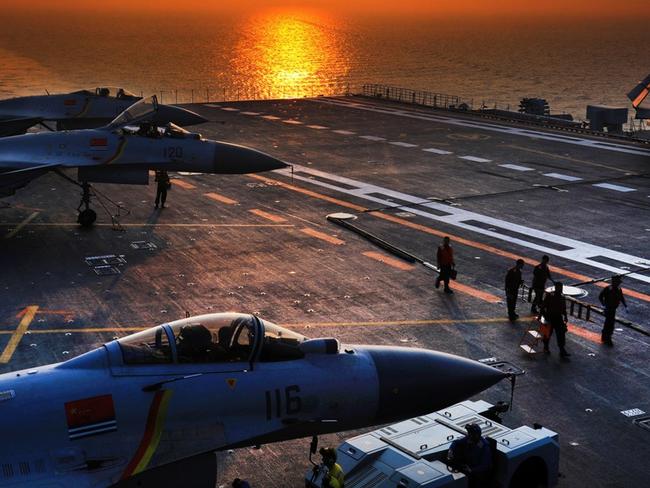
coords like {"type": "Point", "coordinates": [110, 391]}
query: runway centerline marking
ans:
{"type": "Point", "coordinates": [220, 198]}
{"type": "Point", "coordinates": [269, 216]}
{"type": "Point", "coordinates": [20, 226]}
{"type": "Point", "coordinates": [27, 315]}
{"type": "Point", "coordinates": [432, 231]}
{"type": "Point", "coordinates": [183, 184]}
{"type": "Point", "coordinates": [322, 236]}
{"type": "Point", "coordinates": [574, 250]}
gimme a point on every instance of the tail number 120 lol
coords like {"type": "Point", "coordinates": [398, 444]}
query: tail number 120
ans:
{"type": "Point", "coordinates": [279, 403]}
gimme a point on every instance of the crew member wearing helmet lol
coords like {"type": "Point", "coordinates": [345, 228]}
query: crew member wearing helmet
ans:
{"type": "Point", "coordinates": [472, 456]}
{"type": "Point", "coordinates": [334, 476]}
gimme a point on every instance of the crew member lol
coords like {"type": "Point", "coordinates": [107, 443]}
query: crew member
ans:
{"type": "Point", "coordinates": [513, 282]}
{"type": "Point", "coordinates": [334, 476]}
{"type": "Point", "coordinates": [611, 297]}
{"type": "Point", "coordinates": [554, 312]}
{"type": "Point", "coordinates": [472, 456]}
{"type": "Point", "coordinates": [162, 178]}
{"type": "Point", "coordinates": [541, 273]}
{"type": "Point", "coordinates": [445, 259]}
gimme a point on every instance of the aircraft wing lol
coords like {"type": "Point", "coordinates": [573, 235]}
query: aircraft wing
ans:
{"type": "Point", "coordinates": [14, 127]}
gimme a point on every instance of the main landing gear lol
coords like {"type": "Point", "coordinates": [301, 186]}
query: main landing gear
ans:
{"type": "Point", "coordinates": [87, 216]}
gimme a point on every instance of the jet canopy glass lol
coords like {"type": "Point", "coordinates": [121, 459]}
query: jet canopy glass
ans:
{"type": "Point", "coordinates": [214, 338]}
{"type": "Point", "coordinates": [109, 91]}
{"type": "Point", "coordinates": [141, 110]}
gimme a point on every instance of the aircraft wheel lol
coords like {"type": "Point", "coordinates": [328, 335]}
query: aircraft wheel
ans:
{"type": "Point", "coordinates": [87, 217]}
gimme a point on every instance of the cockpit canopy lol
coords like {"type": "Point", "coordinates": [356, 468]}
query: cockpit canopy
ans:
{"type": "Point", "coordinates": [154, 131]}
{"type": "Point", "coordinates": [144, 109]}
{"type": "Point", "coordinates": [214, 338]}
{"type": "Point", "coordinates": [112, 91]}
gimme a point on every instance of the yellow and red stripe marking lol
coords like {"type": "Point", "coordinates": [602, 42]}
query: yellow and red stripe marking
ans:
{"type": "Point", "coordinates": [152, 434]}
{"type": "Point", "coordinates": [266, 215]}
{"type": "Point", "coordinates": [118, 153]}
{"type": "Point", "coordinates": [183, 184]}
{"type": "Point", "coordinates": [220, 198]}
{"type": "Point", "coordinates": [322, 236]}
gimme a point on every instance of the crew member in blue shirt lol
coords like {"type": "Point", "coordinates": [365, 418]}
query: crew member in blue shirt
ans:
{"type": "Point", "coordinates": [472, 456]}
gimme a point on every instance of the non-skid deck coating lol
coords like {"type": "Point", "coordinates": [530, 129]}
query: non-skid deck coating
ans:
{"type": "Point", "coordinates": [261, 244]}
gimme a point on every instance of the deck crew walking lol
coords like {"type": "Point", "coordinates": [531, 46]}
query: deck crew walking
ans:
{"type": "Point", "coordinates": [541, 274]}
{"type": "Point", "coordinates": [445, 260]}
{"type": "Point", "coordinates": [554, 312]}
{"type": "Point", "coordinates": [513, 282]}
{"type": "Point", "coordinates": [611, 297]}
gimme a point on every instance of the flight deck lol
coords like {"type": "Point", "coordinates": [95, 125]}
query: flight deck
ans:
{"type": "Point", "coordinates": [410, 175]}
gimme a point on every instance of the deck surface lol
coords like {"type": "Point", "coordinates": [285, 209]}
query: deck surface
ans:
{"type": "Point", "coordinates": [262, 244]}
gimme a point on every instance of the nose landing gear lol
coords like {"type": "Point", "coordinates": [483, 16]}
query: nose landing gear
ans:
{"type": "Point", "coordinates": [87, 216]}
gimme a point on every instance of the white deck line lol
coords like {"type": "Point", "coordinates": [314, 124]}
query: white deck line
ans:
{"type": "Point", "coordinates": [250, 113]}
{"type": "Point", "coordinates": [560, 176]}
{"type": "Point", "coordinates": [610, 186]}
{"type": "Point", "coordinates": [516, 167]}
{"type": "Point", "coordinates": [574, 250]}
{"type": "Point", "coordinates": [317, 127]}
{"type": "Point", "coordinates": [292, 122]}
{"type": "Point", "coordinates": [373, 138]}
{"type": "Point", "coordinates": [211, 105]}
{"type": "Point", "coordinates": [270, 117]}
{"type": "Point", "coordinates": [402, 144]}
{"type": "Point", "coordinates": [493, 127]}
{"type": "Point", "coordinates": [475, 159]}
{"type": "Point", "coordinates": [230, 109]}
{"type": "Point", "coordinates": [437, 151]}
{"type": "Point", "coordinates": [344, 132]}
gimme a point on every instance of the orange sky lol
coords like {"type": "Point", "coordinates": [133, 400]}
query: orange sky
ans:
{"type": "Point", "coordinates": [558, 8]}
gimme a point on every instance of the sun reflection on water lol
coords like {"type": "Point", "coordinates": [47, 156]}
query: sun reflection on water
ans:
{"type": "Point", "coordinates": [282, 55]}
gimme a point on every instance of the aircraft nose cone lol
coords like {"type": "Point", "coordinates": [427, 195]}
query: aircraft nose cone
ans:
{"type": "Point", "coordinates": [234, 159]}
{"type": "Point", "coordinates": [417, 381]}
{"type": "Point", "coordinates": [177, 115]}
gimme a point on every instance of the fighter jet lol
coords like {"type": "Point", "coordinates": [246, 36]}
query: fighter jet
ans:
{"type": "Point", "coordinates": [150, 409]}
{"type": "Point", "coordinates": [637, 95]}
{"type": "Point", "coordinates": [82, 109]}
{"type": "Point", "coordinates": [122, 152]}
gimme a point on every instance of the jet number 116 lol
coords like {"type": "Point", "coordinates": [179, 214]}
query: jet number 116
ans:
{"type": "Point", "coordinates": [279, 403]}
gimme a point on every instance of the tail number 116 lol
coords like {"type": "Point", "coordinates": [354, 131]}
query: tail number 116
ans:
{"type": "Point", "coordinates": [279, 402]}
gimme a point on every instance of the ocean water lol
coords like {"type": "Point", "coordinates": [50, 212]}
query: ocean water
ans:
{"type": "Point", "coordinates": [283, 53]}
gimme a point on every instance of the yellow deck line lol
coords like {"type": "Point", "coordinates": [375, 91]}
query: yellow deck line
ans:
{"type": "Point", "coordinates": [18, 334]}
{"type": "Point", "coordinates": [19, 227]}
